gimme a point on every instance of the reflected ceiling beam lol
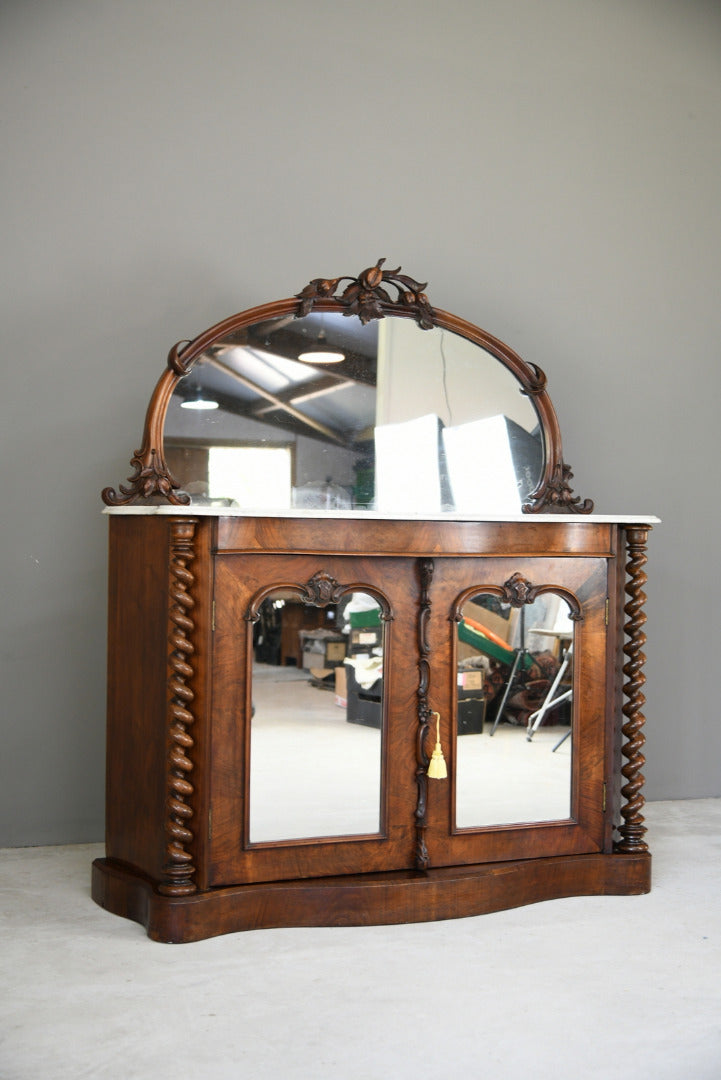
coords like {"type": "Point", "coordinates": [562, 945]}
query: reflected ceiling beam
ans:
{"type": "Point", "coordinates": [316, 425]}
{"type": "Point", "coordinates": [359, 365]}
{"type": "Point", "coordinates": [293, 395]}
{"type": "Point", "coordinates": [281, 423]}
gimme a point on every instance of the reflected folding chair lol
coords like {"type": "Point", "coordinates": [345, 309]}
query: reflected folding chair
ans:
{"type": "Point", "coordinates": [536, 718]}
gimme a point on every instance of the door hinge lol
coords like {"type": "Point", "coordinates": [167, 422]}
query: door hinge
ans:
{"type": "Point", "coordinates": [606, 614]}
{"type": "Point", "coordinates": [212, 617]}
{"type": "Point", "coordinates": [603, 800]}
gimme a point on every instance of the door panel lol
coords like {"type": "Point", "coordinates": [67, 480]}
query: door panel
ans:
{"type": "Point", "coordinates": [325, 789]}
{"type": "Point", "coordinates": [492, 806]}
{"type": "Point", "coordinates": [421, 655]}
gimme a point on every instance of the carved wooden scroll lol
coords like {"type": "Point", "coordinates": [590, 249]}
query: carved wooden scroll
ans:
{"type": "Point", "coordinates": [556, 497]}
{"type": "Point", "coordinates": [367, 294]}
{"type": "Point", "coordinates": [178, 869]}
{"type": "Point", "coordinates": [151, 478]}
{"type": "Point", "coordinates": [425, 571]}
{"type": "Point", "coordinates": [518, 591]}
{"type": "Point", "coordinates": [632, 830]}
{"type": "Point", "coordinates": [319, 591]}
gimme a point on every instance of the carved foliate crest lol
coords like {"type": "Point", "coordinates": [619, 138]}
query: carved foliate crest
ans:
{"type": "Point", "coordinates": [518, 591]}
{"type": "Point", "coordinates": [366, 294]}
{"type": "Point", "coordinates": [321, 590]}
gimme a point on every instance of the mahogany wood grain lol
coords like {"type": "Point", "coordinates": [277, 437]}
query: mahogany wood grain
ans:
{"type": "Point", "coordinates": [413, 538]}
{"type": "Point", "coordinates": [232, 857]}
{"type": "Point", "coordinates": [139, 696]}
{"type": "Point", "coordinates": [182, 594]}
{"type": "Point", "coordinates": [365, 900]}
{"type": "Point", "coordinates": [137, 692]}
{"type": "Point", "coordinates": [584, 579]}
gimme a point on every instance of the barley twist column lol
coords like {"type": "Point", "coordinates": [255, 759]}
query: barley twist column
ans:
{"type": "Point", "coordinates": [632, 830]}
{"type": "Point", "coordinates": [178, 869]}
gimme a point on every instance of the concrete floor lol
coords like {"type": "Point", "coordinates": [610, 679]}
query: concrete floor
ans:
{"type": "Point", "coordinates": [621, 987]}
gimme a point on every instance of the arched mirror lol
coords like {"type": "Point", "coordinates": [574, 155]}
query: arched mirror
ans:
{"type": "Point", "coordinates": [321, 412]}
{"type": "Point", "coordinates": [514, 709]}
{"type": "Point", "coordinates": [315, 758]}
{"type": "Point", "coordinates": [348, 398]}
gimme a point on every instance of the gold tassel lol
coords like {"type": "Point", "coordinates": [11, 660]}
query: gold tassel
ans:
{"type": "Point", "coordinates": [437, 766]}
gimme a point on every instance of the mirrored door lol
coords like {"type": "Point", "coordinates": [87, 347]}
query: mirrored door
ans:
{"type": "Point", "coordinates": [522, 645]}
{"type": "Point", "coordinates": [315, 663]}
{"type": "Point", "coordinates": [514, 710]}
{"type": "Point", "coordinates": [318, 713]}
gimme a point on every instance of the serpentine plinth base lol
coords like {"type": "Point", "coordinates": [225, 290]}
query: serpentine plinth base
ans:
{"type": "Point", "coordinates": [364, 900]}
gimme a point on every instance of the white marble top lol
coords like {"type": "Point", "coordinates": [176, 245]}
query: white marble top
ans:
{"type": "Point", "coordinates": [194, 510]}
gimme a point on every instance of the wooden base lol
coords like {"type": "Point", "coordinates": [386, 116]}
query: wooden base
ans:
{"type": "Point", "coordinates": [372, 899]}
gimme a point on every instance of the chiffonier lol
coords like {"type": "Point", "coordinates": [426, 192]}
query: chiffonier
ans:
{"type": "Point", "coordinates": [370, 660]}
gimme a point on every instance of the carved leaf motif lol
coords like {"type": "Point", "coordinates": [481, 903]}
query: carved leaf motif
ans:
{"type": "Point", "coordinates": [557, 495]}
{"type": "Point", "coordinates": [366, 296]}
{"type": "Point", "coordinates": [518, 591]}
{"type": "Point", "coordinates": [151, 477]}
{"type": "Point", "coordinates": [322, 589]}
{"type": "Point", "coordinates": [317, 289]}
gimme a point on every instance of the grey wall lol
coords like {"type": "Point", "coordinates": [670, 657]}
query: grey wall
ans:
{"type": "Point", "coordinates": [552, 168]}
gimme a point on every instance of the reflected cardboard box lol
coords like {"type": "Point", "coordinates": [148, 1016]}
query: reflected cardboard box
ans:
{"type": "Point", "coordinates": [322, 649]}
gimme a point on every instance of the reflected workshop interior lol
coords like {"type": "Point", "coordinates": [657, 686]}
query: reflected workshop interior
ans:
{"type": "Point", "coordinates": [316, 670]}
{"type": "Point", "coordinates": [322, 412]}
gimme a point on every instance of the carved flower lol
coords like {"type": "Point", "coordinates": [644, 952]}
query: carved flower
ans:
{"type": "Point", "coordinates": [366, 295]}
{"type": "Point", "coordinates": [321, 589]}
{"type": "Point", "coordinates": [365, 303]}
{"type": "Point", "coordinates": [518, 590]}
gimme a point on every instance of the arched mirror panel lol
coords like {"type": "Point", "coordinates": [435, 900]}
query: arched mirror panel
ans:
{"type": "Point", "coordinates": [350, 400]}
{"type": "Point", "coordinates": [514, 709]}
{"type": "Point", "coordinates": [323, 413]}
{"type": "Point", "coordinates": [317, 714]}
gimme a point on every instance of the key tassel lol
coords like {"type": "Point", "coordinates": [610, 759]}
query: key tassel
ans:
{"type": "Point", "coordinates": [437, 766]}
